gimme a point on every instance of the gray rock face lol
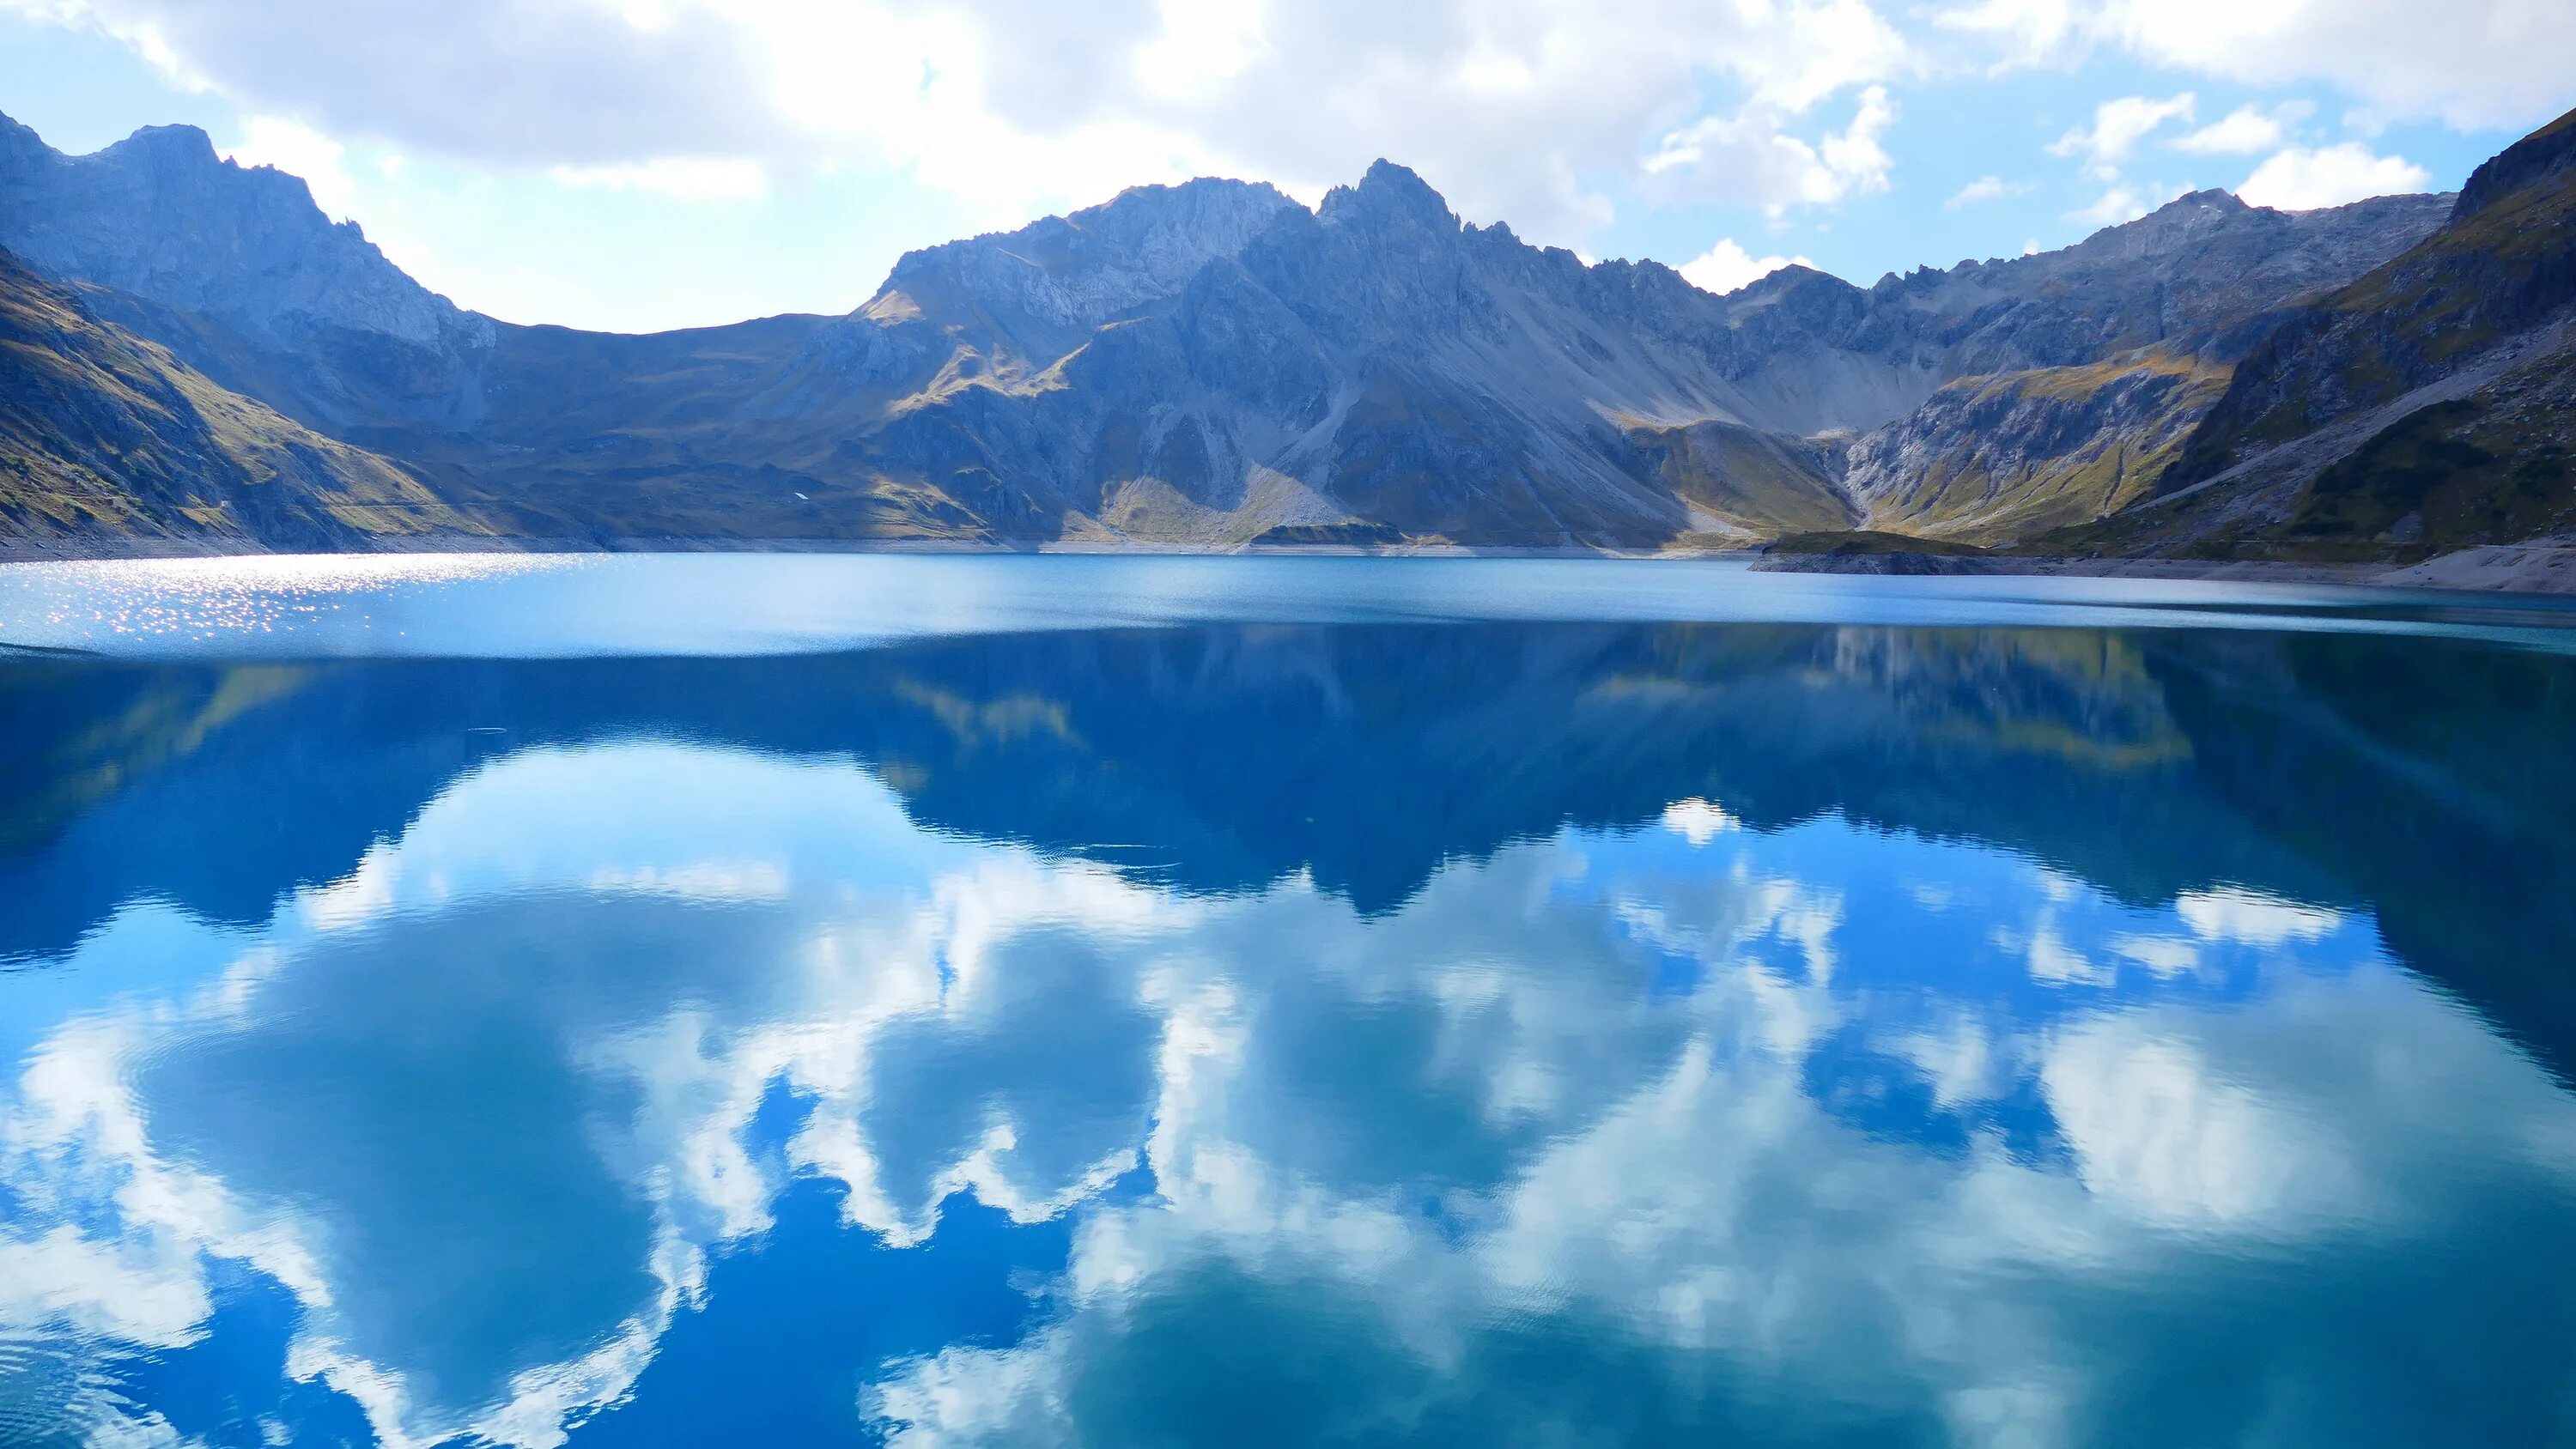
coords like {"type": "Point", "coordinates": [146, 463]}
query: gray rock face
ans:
{"type": "Point", "coordinates": [1073, 273]}
{"type": "Point", "coordinates": [1992, 459]}
{"type": "Point", "coordinates": [237, 272]}
{"type": "Point", "coordinates": [1211, 361]}
{"type": "Point", "coordinates": [1405, 370]}
{"type": "Point", "coordinates": [2195, 277]}
{"type": "Point", "coordinates": [158, 215]}
{"type": "Point", "coordinates": [1371, 360]}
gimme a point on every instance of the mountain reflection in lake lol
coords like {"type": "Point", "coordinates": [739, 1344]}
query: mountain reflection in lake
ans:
{"type": "Point", "coordinates": [1473, 1033]}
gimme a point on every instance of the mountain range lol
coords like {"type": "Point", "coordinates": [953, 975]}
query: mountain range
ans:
{"type": "Point", "coordinates": [191, 350]}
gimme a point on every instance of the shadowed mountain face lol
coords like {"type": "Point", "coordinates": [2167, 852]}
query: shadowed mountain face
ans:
{"type": "Point", "coordinates": [2329, 769]}
{"type": "Point", "coordinates": [1214, 364]}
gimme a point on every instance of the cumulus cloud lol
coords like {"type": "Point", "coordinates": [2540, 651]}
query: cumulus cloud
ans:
{"type": "Point", "coordinates": [2244, 131]}
{"type": "Point", "coordinates": [1013, 104]}
{"type": "Point", "coordinates": [2016, 32]}
{"type": "Point", "coordinates": [2118, 126]}
{"type": "Point", "coordinates": [2483, 63]}
{"type": "Point", "coordinates": [496, 80]}
{"type": "Point", "coordinates": [2478, 63]}
{"type": "Point", "coordinates": [682, 179]}
{"type": "Point", "coordinates": [298, 151]}
{"type": "Point", "coordinates": [1722, 1211]}
{"type": "Point", "coordinates": [2298, 178]}
{"type": "Point", "coordinates": [1609, 1092]}
{"type": "Point", "coordinates": [1694, 819]}
{"type": "Point", "coordinates": [1749, 159]}
{"type": "Point", "coordinates": [2112, 207]}
{"type": "Point", "coordinates": [2236, 914]}
{"type": "Point", "coordinates": [1724, 268]}
{"type": "Point", "coordinates": [1987, 188]}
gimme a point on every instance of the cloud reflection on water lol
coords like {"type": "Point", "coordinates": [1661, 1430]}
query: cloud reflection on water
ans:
{"type": "Point", "coordinates": [1652, 1132]}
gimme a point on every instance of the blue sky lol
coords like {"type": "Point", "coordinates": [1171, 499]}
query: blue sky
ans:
{"type": "Point", "coordinates": [639, 164]}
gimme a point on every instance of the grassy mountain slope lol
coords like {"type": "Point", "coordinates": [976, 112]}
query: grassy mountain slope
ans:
{"type": "Point", "coordinates": [1212, 363]}
{"type": "Point", "coordinates": [103, 433]}
{"type": "Point", "coordinates": [1740, 482]}
{"type": "Point", "coordinates": [2429, 405]}
{"type": "Point", "coordinates": [1991, 459]}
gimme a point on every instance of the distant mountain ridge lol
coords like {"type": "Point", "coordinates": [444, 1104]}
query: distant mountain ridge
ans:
{"type": "Point", "coordinates": [1212, 364]}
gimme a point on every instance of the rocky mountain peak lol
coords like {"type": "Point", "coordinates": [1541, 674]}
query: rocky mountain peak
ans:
{"type": "Point", "coordinates": [166, 146]}
{"type": "Point", "coordinates": [161, 216]}
{"type": "Point", "coordinates": [1209, 360]}
{"type": "Point", "coordinates": [1389, 195]}
{"type": "Point", "coordinates": [20, 146]}
{"type": "Point", "coordinates": [2208, 199]}
{"type": "Point", "coordinates": [1793, 280]}
{"type": "Point", "coordinates": [2180, 222]}
{"type": "Point", "coordinates": [1079, 270]}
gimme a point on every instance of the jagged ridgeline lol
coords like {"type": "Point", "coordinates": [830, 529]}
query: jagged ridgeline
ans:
{"type": "Point", "coordinates": [2429, 404]}
{"type": "Point", "coordinates": [1214, 364]}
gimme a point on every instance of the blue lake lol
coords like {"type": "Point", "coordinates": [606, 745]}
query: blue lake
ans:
{"type": "Point", "coordinates": [742, 1000]}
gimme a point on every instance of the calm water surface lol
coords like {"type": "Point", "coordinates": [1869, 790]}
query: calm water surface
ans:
{"type": "Point", "coordinates": [1223, 1002]}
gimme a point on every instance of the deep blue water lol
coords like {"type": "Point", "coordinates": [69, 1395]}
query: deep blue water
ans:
{"type": "Point", "coordinates": [691, 1001]}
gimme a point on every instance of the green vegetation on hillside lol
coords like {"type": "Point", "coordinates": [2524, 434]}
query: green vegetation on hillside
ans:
{"type": "Point", "coordinates": [2015, 453]}
{"type": "Point", "coordinates": [1756, 481]}
{"type": "Point", "coordinates": [2496, 272]}
{"type": "Point", "coordinates": [1314, 534]}
{"type": "Point", "coordinates": [101, 432]}
{"type": "Point", "coordinates": [2441, 475]}
{"type": "Point", "coordinates": [1867, 541]}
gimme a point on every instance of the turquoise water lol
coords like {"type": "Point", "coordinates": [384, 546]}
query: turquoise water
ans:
{"type": "Point", "coordinates": [685, 1001]}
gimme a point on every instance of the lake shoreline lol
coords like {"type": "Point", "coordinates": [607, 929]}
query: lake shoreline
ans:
{"type": "Point", "coordinates": [2544, 567]}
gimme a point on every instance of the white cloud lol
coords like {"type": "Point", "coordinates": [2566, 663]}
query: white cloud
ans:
{"type": "Point", "coordinates": [299, 151]}
{"type": "Point", "coordinates": [2299, 179]}
{"type": "Point", "coordinates": [1724, 268]}
{"type": "Point", "coordinates": [1204, 45]}
{"type": "Point", "coordinates": [1987, 188]}
{"type": "Point", "coordinates": [2112, 207]}
{"type": "Point", "coordinates": [681, 179]}
{"type": "Point", "coordinates": [2245, 130]}
{"type": "Point", "coordinates": [1016, 106]}
{"type": "Point", "coordinates": [1695, 819]}
{"type": "Point", "coordinates": [2232, 914]}
{"type": "Point", "coordinates": [2158, 1133]}
{"type": "Point", "coordinates": [2167, 956]}
{"type": "Point", "coordinates": [2475, 63]}
{"type": "Point", "coordinates": [2479, 63]}
{"type": "Point", "coordinates": [1681, 1165]}
{"type": "Point", "coordinates": [2118, 126]}
{"type": "Point", "coordinates": [553, 83]}
{"type": "Point", "coordinates": [2025, 32]}
{"type": "Point", "coordinates": [1748, 159]}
